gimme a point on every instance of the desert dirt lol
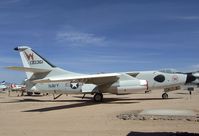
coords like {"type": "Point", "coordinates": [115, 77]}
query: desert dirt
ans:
{"type": "Point", "coordinates": [72, 116]}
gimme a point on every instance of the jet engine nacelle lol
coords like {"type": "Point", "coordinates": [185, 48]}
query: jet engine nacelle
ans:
{"type": "Point", "coordinates": [130, 86]}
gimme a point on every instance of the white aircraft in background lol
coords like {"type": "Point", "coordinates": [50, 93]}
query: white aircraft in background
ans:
{"type": "Point", "coordinates": [3, 86]}
{"type": "Point", "coordinates": [44, 77]}
{"type": "Point", "coordinates": [11, 87]}
{"type": "Point", "coordinates": [15, 87]}
{"type": "Point", "coordinates": [196, 75]}
{"type": "Point", "coordinates": [194, 79]}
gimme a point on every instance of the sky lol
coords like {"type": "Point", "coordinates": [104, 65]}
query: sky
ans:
{"type": "Point", "coordinates": [92, 36]}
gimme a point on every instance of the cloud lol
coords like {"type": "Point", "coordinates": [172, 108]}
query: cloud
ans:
{"type": "Point", "coordinates": [189, 17]}
{"type": "Point", "coordinates": [95, 64]}
{"type": "Point", "coordinates": [79, 38]}
{"type": "Point", "coordinates": [8, 2]}
{"type": "Point", "coordinates": [9, 60]}
{"type": "Point", "coordinates": [12, 76]}
{"type": "Point", "coordinates": [190, 68]}
{"type": "Point", "coordinates": [195, 67]}
{"type": "Point", "coordinates": [101, 61]}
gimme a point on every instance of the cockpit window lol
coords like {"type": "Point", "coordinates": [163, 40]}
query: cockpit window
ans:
{"type": "Point", "coordinates": [169, 71]}
{"type": "Point", "coordinates": [159, 78]}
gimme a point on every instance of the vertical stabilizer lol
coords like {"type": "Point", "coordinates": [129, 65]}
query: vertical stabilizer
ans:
{"type": "Point", "coordinates": [38, 67]}
{"type": "Point", "coordinates": [31, 59]}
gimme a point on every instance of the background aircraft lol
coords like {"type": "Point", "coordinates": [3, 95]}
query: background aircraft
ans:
{"type": "Point", "coordinates": [11, 87]}
{"type": "Point", "coordinates": [15, 87]}
{"type": "Point", "coordinates": [196, 81]}
{"type": "Point", "coordinates": [192, 78]}
{"type": "Point", "coordinates": [3, 86]}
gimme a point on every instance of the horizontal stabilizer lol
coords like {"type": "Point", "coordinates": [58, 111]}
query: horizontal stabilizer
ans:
{"type": "Point", "coordinates": [26, 69]}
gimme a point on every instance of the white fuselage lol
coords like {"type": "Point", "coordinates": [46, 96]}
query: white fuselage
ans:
{"type": "Point", "coordinates": [159, 80]}
{"type": "Point", "coordinates": [119, 87]}
{"type": "Point", "coordinates": [3, 87]}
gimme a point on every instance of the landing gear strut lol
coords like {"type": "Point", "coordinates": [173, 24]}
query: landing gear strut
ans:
{"type": "Point", "coordinates": [98, 97]}
{"type": "Point", "coordinates": [165, 96]}
{"type": "Point", "coordinates": [55, 97]}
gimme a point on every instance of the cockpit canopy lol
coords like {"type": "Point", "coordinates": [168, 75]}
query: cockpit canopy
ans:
{"type": "Point", "coordinates": [169, 71]}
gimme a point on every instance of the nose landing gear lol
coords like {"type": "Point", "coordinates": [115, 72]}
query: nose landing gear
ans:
{"type": "Point", "coordinates": [165, 96]}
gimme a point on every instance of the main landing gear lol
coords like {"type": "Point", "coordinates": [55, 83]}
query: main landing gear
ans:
{"type": "Point", "coordinates": [98, 97]}
{"type": "Point", "coordinates": [165, 96]}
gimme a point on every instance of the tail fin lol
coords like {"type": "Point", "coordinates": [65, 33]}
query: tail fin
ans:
{"type": "Point", "coordinates": [3, 82]}
{"type": "Point", "coordinates": [31, 59]}
{"type": "Point", "coordinates": [36, 66]}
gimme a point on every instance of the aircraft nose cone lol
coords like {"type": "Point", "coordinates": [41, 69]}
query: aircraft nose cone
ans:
{"type": "Point", "coordinates": [16, 49]}
{"type": "Point", "coordinates": [190, 78]}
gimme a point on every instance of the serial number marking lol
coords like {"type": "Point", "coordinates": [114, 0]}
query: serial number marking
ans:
{"type": "Point", "coordinates": [33, 62]}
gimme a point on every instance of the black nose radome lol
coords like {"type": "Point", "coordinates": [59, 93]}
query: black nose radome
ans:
{"type": "Point", "coordinates": [16, 49]}
{"type": "Point", "coordinates": [190, 78]}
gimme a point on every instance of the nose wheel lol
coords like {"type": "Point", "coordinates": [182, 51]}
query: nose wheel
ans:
{"type": "Point", "coordinates": [98, 97]}
{"type": "Point", "coordinates": [29, 93]}
{"type": "Point", "coordinates": [165, 96]}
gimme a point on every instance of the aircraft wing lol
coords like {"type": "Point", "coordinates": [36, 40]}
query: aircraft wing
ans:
{"type": "Point", "coordinates": [97, 79]}
{"type": "Point", "coordinates": [26, 69]}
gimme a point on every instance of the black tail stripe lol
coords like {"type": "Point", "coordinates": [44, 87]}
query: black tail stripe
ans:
{"type": "Point", "coordinates": [44, 59]}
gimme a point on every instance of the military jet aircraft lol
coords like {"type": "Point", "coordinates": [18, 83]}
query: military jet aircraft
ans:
{"type": "Point", "coordinates": [42, 76]}
{"type": "Point", "coordinates": [192, 77]}
{"type": "Point", "coordinates": [196, 75]}
{"type": "Point", "coordinates": [194, 82]}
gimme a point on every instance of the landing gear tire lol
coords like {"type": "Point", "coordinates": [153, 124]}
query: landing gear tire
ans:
{"type": "Point", "coordinates": [29, 93]}
{"type": "Point", "coordinates": [98, 97]}
{"type": "Point", "coordinates": [165, 96]}
{"type": "Point", "coordinates": [37, 93]}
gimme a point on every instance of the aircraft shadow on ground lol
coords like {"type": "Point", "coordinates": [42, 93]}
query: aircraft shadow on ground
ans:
{"type": "Point", "coordinates": [81, 104]}
{"type": "Point", "coordinates": [130, 99]}
{"type": "Point", "coordinates": [162, 134]}
{"type": "Point", "coordinates": [124, 100]}
{"type": "Point", "coordinates": [53, 108]}
{"type": "Point", "coordinates": [36, 100]}
{"type": "Point", "coordinates": [183, 93]}
{"type": "Point", "coordinates": [87, 101]}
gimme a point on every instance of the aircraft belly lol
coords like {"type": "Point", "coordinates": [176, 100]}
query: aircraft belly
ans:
{"type": "Point", "coordinates": [61, 87]}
